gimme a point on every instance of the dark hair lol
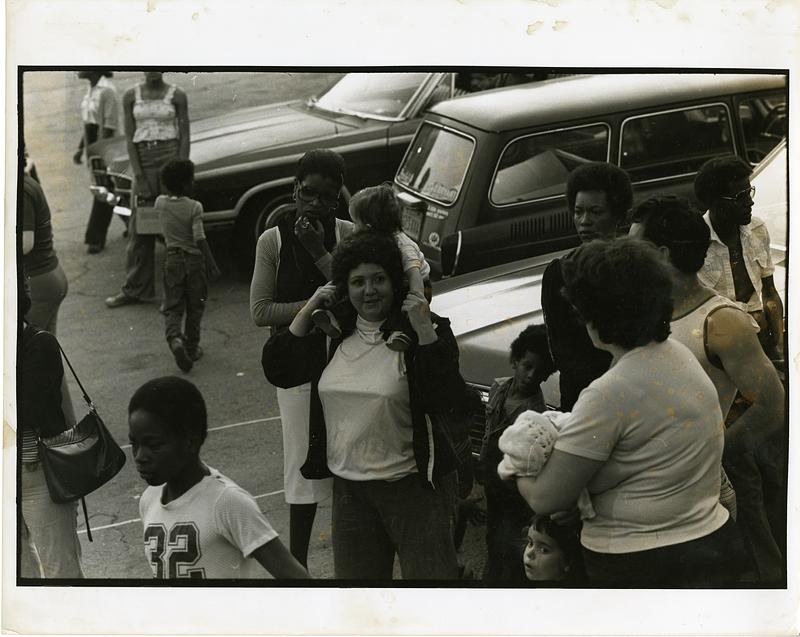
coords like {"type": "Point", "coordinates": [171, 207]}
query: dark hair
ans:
{"type": "Point", "coordinates": [378, 208]}
{"type": "Point", "coordinates": [107, 73]}
{"type": "Point", "coordinates": [716, 175]}
{"type": "Point", "coordinates": [604, 177]}
{"type": "Point", "coordinates": [368, 247]}
{"type": "Point", "coordinates": [321, 161]}
{"type": "Point", "coordinates": [671, 222]}
{"type": "Point", "coordinates": [176, 402]}
{"type": "Point", "coordinates": [534, 339]}
{"type": "Point", "coordinates": [177, 176]}
{"type": "Point", "coordinates": [623, 288]}
{"type": "Point", "coordinates": [568, 538]}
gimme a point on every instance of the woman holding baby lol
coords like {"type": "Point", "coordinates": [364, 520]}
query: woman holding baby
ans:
{"type": "Point", "coordinates": [645, 439]}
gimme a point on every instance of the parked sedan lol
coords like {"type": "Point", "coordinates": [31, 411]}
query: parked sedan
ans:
{"type": "Point", "coordinates": [245, 159]}
{"type": "Point", "coordinates": [489, 308]}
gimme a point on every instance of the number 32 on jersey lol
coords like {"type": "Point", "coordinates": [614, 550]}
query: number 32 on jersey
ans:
{"type": "Point", "coordinates": [173, 554]}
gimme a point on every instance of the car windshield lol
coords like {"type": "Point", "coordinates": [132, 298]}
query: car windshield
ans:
{"type": "Point", "coordinates": [371, 94]}
{"type": "Point", "coordinates": [436, 163]}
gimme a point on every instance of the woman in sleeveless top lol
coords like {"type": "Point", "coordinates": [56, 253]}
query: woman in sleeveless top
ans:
{"type": "Point", "coordinates": [100, 116]}
{"type": "Point", "coordinates": [292, 260]}
{"type": "Point", "coordinates": [157, 130]}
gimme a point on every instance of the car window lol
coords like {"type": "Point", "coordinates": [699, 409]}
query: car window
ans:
{"type": "Point", "coordinates": [675, 142]}
{"type": "Point", "coordinates": [379, 94]}
{"type": "Point", "coordinates": [436, 163]}
{"type": "Point", "coordinates": [764, 124]}
{"type": "Point", "coordinates": [537, 166]}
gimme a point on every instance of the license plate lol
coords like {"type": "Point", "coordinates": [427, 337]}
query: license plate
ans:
{"type": "Point", "coordinates": [412, 223]}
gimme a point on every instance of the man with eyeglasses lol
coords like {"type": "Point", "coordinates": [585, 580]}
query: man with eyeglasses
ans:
{"type": "Point", "coordinates": [738, 264]}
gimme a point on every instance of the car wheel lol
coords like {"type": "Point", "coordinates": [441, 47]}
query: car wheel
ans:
{"type": "Point", "coordinates": [258, 214]}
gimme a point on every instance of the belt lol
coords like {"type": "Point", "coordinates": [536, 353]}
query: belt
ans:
{"type": "Point", "coordinates": [153, 143]}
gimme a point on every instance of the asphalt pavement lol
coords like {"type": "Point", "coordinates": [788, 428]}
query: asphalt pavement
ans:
{"type": "Point", "coordinates": [116, 350]}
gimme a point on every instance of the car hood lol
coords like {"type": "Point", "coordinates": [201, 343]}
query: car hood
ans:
{"type": "Point", "coordinates": [487, 311]}
{"type": "Point", "coordinates": [242, 136]}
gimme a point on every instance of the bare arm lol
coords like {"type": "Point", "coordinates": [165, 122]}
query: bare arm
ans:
{"type": "Point", "coordinates": [28, 241]}
{"type": "Point", "coordinates": [733, 339]}
{"type": "Point", "coordinates": [415, 283]}
{"type": "Point", "coordinates": [281, 564]}
{"type": "Point", "coordinates": [773, 311]}
{"type": "Point", "coordinates": [559, 484]}
{"type": "Point", "coordinates": [182, 114]}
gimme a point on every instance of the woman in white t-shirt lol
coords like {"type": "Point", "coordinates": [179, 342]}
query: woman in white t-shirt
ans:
{"type": "Point", "coordinates": [645, 438]}
{"type": "Point", "coordinates": [373, 417]}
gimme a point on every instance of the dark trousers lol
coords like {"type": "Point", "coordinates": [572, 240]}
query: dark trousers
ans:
{"type": "Point", "coordinates": [374, 519]}
{"type": "Point", "coordinates": [185, 293]}
{"type": "Point", "coordinates": [712, 561]}
{"type": "Point", "coordinates": [507, 516]}
{"type": "Point", "coordinates": [759, 477]}
{"type": "Point", "coordinates": [99, 220]}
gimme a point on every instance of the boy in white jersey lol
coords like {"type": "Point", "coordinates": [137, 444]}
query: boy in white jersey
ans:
{"type": "Point", "coordinates": [199, 524]}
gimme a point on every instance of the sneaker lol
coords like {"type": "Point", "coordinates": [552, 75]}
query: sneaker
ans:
{"type": "Point", "coordinates": [181, 356]}
{"type": "Point", "coordinates": [94, 248]}
{"type": "Point", "coordinates": [326, 322]}
{"type": "Point", "coordinates": [195, 354]}
{"type": "Point", "coordinates": [398, 342]}
{"type": "Point", "coordinates": [118, 300]}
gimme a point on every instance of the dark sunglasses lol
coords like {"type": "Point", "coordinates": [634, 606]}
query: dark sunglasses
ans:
{"type": "Point", "coordinates": [308, 195]}
{"type": "Point", "coordinates": [742, 195]}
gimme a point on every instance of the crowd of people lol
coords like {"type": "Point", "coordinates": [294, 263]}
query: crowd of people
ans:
{"type": "Point", "coordinates": [663, 466]}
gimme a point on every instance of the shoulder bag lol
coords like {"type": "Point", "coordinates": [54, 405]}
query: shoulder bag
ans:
{"type": "Point", "coordinates": [81, 459]}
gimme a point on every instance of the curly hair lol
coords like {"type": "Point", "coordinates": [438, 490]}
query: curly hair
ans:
{"type": "Point", "coordinates": [670, 221]}
{"type": "Point", "coordinates": [177, 176]}
{"type": "Point", "coordinates": [321, 161]}
{"type": "Point", "coordinates": [378, 208]}
{"type": "Point", "coordinates": [623, 288]}
{"type": "Point", "coordinates": [368, 247]}
{"type": "Point", "coordinates": [534, 339]}
{"type": "Point", "coordinates": [716, 175]}
{"type": "Point", "coordinates": [177, 404]}
{"type": "Point", "coordinates": [604, 177]}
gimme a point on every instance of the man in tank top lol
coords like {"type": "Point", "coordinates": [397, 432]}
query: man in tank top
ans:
{"type": "Point", "coordinates": [724, 338]}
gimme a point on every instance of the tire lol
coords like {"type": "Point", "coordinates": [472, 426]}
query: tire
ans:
{"type": "Point", "coordinates": [258, 214]}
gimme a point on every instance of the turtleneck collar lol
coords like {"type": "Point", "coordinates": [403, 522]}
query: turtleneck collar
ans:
{"type": "Point", "coordinates": [369, 331]}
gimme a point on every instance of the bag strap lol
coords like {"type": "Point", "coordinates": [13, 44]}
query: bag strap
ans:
{"type": "Point", "coordinates": [72, 369]}
{"type": "Point", "coordinates": [86, 517]}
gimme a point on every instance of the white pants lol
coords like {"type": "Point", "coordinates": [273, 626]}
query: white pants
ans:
{"type": "Point", "coordinates": [294, 405]}
{"type": "Point", "coordinates": [48, 532]}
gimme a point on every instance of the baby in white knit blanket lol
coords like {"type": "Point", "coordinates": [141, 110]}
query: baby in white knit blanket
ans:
{"type": "Point", "coordinates": [527, 445]}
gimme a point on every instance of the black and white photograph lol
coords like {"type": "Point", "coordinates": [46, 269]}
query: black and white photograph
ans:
{"type": "Point", "coordinates": [480, 343]}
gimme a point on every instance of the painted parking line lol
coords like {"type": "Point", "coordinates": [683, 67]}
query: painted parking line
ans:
{"type": "Point", "coordinates": [134, 520]}
{"type": "Point", "coordinates": [231, 426]}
